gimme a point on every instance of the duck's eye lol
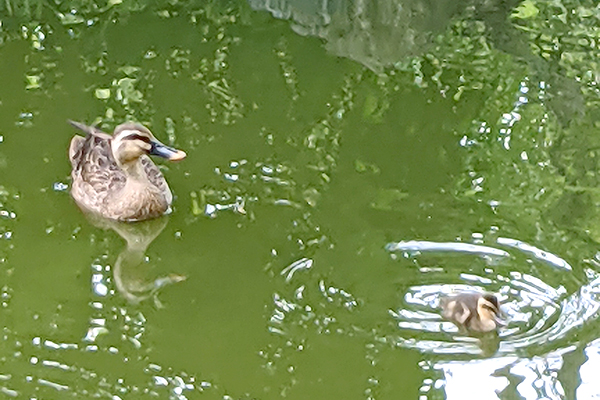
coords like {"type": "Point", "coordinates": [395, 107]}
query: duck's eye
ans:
{"type": "Point", "coordinates": [490, 308]}
{"type": "Point", "coordinates": [135, 136]}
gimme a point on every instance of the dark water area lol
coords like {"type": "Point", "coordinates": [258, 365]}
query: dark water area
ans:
{"type": "Point", "coordinates": [348, 165]}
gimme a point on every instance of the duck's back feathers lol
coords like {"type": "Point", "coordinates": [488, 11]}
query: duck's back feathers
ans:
{"type": "Point", "coordinates": [459, 308]}
{"type": "Point", "coordinates": [95, 174]}
{"type": "Point", "coordinates": [75, 150]}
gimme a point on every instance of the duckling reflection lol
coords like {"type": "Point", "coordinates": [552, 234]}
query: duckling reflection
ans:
{"type": "Point", "coordinates": [472, 312]}
{"type": "Point", "coordinates": [130, 272]}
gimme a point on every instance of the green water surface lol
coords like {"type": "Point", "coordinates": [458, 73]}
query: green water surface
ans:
{"type": "Point", "coordinates": [311, 145]}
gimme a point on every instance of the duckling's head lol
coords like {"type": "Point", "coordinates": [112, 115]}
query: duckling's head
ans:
{"type": "Point", "coordinates": [130, 141]}
{"type": "Point", "coordinates": [488, 309]}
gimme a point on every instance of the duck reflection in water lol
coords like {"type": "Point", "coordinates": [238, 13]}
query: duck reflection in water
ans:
{"type": "Point", "coordinates": [131, 273]}
{"type": "Point", "coordinates": [473, 312]}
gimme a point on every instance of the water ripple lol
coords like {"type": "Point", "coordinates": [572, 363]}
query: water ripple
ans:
{"type": "Point", "coordinates": [417, 246]}
{"type": "Point", "coordinates": [302, 264]}
{"type": "Point", "coordinates": [538, 312]}
{"type": "Point", "coordinates": [536, 252]}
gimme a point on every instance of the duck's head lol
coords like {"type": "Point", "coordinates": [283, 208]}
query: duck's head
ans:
{"type": "Point", "coordinates": [488, 309]}
{"type": "Point", "coordinates": [130, 141]}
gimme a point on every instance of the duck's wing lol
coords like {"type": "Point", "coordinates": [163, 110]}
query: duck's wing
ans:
{"type": "Point", "coordinates": [95, 172]}
{"type": "Point", "coordinates": [156, 178]}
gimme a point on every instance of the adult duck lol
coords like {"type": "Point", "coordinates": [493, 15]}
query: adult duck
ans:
{"type": "Point", "coordinates": [113, 177]}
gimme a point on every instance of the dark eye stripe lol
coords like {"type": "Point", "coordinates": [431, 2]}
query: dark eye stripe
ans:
{"type": "Point", "coordinates": [134, 136]}
{"type": "Point", "coordinates": [491, 308]}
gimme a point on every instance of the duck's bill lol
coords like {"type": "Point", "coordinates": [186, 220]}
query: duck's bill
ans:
{"type": "Point", "coordinates": [159, 149]}
{"type": "Point", "coordinates": [500, 320]}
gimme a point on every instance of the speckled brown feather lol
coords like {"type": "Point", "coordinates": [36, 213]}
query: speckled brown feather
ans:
{"type": "Point", "coordinates": [156, 178]}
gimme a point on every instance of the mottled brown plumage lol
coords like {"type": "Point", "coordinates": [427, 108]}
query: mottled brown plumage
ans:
{"type": "Point", "coordinates": [476, 312]}
{"type": "Point", "coordinates": [113, 176]}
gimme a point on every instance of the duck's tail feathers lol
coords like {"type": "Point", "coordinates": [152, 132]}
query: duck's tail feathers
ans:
{"type": "Point", "coordinates": [90, 130]}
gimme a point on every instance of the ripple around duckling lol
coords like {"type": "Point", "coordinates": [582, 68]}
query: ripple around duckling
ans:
{"type": "Point", "coordinates": [417, 246]}
{"type": "Point", "coordinates": [538, 313]}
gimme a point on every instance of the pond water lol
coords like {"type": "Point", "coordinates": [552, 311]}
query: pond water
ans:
{"type": "Point", "coordinates": [349, 163]}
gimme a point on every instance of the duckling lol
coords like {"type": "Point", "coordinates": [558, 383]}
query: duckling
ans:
{"type": "Point", "coordinates": [113, 177]}
{"type": "Point", "coordinates": [476, 312]}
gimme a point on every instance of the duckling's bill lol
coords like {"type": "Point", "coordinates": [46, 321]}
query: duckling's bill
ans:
{"type": "Point", "coordinates": [171, 154]}
{"type": "Point", "coordinates": [500, 318]}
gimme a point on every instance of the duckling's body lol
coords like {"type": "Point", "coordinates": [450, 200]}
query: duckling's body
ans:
{"type": "Point", "coordinates": [113, 175]}
{"type": "Point", "coordinates": [476, 312]}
